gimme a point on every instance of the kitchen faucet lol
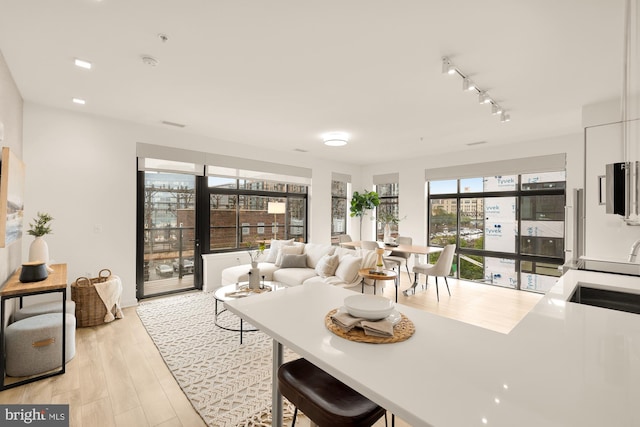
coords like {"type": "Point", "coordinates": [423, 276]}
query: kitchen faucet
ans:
{"type": "Point", "coordinates": [634, 251]}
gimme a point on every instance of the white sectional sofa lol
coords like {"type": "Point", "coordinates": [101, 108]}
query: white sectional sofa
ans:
{"type": "Point", "coordinates": [292, 264]}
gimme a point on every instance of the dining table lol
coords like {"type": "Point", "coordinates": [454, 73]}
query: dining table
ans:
{"type": "Point", "coordinates": [416, 250]}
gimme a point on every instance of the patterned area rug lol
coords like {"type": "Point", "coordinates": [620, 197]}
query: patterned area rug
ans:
{"type": "Point", "coordinates": [228, 383]}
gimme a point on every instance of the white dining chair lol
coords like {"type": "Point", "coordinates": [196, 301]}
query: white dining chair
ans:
{"type": "Point", "coordinates": [441, 268]}
{"type": "Point", "coordinates": [369, 245]}
{"type": "Point", "coordinates": [397, 258]}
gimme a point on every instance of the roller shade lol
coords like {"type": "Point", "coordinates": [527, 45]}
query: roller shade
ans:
{"type": "Point", "coordinates": [335, 176]}
{"type": "Point", "coordinates": [388, 178]}
{"type": "Point", "coordinates": [549, 163]}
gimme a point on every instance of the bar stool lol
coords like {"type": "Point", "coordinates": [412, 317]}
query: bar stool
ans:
{"type": "Point", "coordinates": [326, 401]}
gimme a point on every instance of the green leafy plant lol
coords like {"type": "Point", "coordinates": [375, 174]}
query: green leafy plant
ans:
{"type": "Point", "coordinates": [40, 226]}
{"type": "Point", "coordinates": [256, 249]}
{"type": "Point", "coordinates": [361, 203]}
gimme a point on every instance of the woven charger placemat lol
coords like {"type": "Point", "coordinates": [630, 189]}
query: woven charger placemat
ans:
{"type": "Point", "coordinates": [402, 331]}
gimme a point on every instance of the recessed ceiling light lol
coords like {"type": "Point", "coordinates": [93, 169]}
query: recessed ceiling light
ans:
{"type": "Point", "coordinates": [79, 101]}
{"type": "Point", "coordinates": [83, 64]}
{"type": "Point", "coordinates": [335, 139]}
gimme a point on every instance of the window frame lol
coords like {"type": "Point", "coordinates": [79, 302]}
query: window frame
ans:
{"type": "Point", "coordinates": [519, 193]}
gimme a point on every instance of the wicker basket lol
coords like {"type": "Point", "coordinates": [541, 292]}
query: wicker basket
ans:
{"type": "Point", "coordinates": [90, 309]}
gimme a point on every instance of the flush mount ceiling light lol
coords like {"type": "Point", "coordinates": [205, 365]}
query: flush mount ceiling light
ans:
{"type": "Point", "coordinates": [335, 139]}
{"type": "Point", "coordinates": [79, 101]}
{"type": "Point", "coordinates": [82, 64]}
{"type": "Point", "coordinates": [469, 86]}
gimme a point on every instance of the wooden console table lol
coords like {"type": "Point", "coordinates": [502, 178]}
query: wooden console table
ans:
{"type": "Point", "coordinates": [14, 288]}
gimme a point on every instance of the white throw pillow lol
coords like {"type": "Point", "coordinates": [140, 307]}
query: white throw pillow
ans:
{"type": "Point", "coordinates": [327, 265]}
{"type": "Point", "coordinates": [348, 268]}
{"type": "Point", "coordinates": [288, 250]}
{"type": "Point", "coordinates": [274, 248]}
{"type": "Point", "coordinates": [315, 251]}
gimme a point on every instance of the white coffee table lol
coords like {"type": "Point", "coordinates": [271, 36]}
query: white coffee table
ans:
{"type": "Point", "coordinates": [240, 290]}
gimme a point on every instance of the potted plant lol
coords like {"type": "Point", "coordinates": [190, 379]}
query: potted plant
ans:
{"type": "Point", "coordinates": [39, 250]}
{"type": "Point", "coordinates": [361, 203]}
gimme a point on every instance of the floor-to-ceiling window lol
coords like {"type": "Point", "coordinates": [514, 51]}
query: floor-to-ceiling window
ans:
{"type": "Point", "coordinates": [387, 211]}
{"type": "Point", "coordinates": [509, 229]}
{"type": "Point", "coordinates": [209, 203]}
{"type": "Point", "coordinates": [167, 247]}
{"type": "Point", "coordinates": [339, 206]}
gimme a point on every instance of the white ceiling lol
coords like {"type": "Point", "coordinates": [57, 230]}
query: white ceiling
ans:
{"type": "Point", "coordinates": [280, 73]}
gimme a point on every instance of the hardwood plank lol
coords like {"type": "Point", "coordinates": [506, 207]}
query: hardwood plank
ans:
{"type": "Point", "coordinates": [98, 413]}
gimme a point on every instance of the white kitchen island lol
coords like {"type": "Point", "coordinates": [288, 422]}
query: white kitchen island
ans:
{"type": "Point", "coordinates": [564, 364]}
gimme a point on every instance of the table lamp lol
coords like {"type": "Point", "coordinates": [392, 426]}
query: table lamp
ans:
{"type": "Point", "coordinates": [276, 208]}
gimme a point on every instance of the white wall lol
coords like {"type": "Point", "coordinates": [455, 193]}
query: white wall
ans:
{"type": "Point", "coordinates": [82, 170]}
{"type": "Point", "coordinates": [11, 118]}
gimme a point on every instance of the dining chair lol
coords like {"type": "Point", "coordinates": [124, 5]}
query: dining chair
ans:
{"type": "Point", "coordinates": [441, 268]}
{"type": "Point", "coordinates": [344, 238]}
{"type": "Point", "coordinates": [397, 258]}
{"type": "Point", "coordinates": [369, 245]}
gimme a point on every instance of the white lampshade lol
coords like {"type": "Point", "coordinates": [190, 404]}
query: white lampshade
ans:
{"type": "Point", "coordinates": [276, 208]}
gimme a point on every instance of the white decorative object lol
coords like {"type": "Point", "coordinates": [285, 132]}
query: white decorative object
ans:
{"type": "Point", "coordinates": [254, 276]}
{"type": "Point", "coordinates": [369, 306]}
{"type": "Point", "coordinates": [387, 234]}
{"type": "Point", "coordinates": [39, 250]}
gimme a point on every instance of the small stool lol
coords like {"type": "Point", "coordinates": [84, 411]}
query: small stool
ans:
{"type": "Point", "coordinates": [43, 308]}
{"type": "Point", "coordinates": [325, 400]}
{"type": "Point", "coordinates": [34, 345]}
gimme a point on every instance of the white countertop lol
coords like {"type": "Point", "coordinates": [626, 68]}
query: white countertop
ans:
{"type": "Point", "coordinates": [564, 364]}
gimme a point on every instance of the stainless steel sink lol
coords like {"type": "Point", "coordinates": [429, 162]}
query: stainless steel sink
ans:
{"type": "Point", "coordinates": [613, 300]}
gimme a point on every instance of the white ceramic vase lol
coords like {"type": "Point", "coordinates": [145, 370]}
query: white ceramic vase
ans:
{"type": "Point", "coordinates": [254, 277]}
{"type": "Point", "coordinates": [39, 250]}
{"type": "Point", "coordinates": [387, 233]}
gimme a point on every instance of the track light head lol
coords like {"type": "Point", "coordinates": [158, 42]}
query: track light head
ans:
{"type": "Point", "coordinates": [467, 84]}
{"type": "Point", "coordinates": [483, 98]}
{"type": "Point", "coordinates": [504, 117]}
{"type": "Point", "coordinates": [447, 66]}
{"type": "Point", "coordinates": [496, 109]}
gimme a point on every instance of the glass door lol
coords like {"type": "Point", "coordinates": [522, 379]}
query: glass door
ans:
{"type": "Point", "coordinates": [168, 250]}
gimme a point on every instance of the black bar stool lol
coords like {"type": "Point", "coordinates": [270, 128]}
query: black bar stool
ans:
{"type": "Point", "coordinates": [325, 400]}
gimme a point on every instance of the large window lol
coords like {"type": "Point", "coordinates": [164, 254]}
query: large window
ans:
{"type": "Point", "coordinates": [339, 192]}
{"type": "Point", "coordinates": [244, 211]}
{"type": "Point", "coordinates": [388, 207]}
{"type": "Point", "coordinates": [509, 230]}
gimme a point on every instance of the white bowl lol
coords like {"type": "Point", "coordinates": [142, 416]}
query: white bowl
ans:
{"type": "Point", "coordinates": [370, 307]}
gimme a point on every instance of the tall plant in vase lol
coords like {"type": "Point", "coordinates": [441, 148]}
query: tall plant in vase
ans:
{"type": "Point", "coordinates": [361, 203]}
{"type": "Point", "coordinates": [39, 250]}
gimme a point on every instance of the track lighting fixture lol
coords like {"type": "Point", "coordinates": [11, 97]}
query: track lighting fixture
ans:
{"type": "Point", "coordinates": [447, 66]}
{"type": "Point", "coordinates": [468, 85]}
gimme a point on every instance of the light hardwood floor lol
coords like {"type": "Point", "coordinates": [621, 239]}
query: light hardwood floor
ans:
{"type": "Point", "coordinates": [118, 378]}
